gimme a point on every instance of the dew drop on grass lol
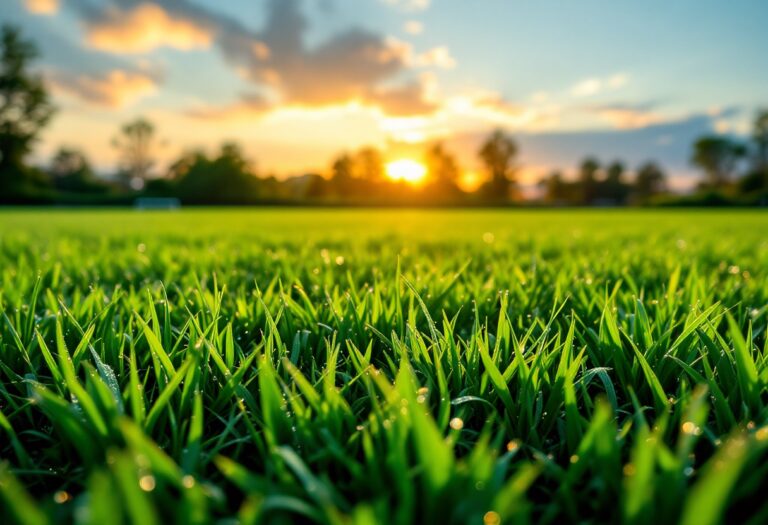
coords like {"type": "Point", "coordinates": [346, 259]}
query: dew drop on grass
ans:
{"type": "Point", "coordinates": [147, 483]}
{"type": "Point", "coordinates": [491, 518]}
{"type": "Point", "coordinates": [61, 496]}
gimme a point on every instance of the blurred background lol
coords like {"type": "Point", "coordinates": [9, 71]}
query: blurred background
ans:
{"type": "Point", "coordinates": [383, 102]}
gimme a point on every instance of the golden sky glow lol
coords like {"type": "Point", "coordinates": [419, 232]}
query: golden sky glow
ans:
{"type": "Point", "coordinates": [297, 83]}
{"type": "Point", "coordinates": [407, 170]}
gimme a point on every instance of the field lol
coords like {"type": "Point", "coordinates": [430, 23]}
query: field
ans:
{"type": "Point", "coordinates": [383, 366]}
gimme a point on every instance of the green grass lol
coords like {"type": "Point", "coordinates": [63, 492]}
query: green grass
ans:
{"type": "Point", "coordinates": [361, 367]}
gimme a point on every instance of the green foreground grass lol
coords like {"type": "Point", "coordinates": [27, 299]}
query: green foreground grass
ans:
{"type": "Point", "coordinates": [361, 367]}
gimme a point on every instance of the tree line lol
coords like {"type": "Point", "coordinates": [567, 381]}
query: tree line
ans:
{"type": "Point", "coordinates": [731, 171]}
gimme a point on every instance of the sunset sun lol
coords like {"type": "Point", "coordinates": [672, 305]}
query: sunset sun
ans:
{"type": "Point", "coordinates": [406, 170]}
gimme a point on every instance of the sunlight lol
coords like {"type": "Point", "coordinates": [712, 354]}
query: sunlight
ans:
{"type": "Point", "coordinates": [406, 170]}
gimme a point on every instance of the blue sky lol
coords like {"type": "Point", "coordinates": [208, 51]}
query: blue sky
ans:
{"type": "Point", "coordinates": [298, 81]}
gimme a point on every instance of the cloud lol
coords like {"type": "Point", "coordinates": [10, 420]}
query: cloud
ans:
{"type": "Point", "coordinates": [402, 101]}
{"type": "Point", "coordinates": [438, 57]}
{"type": "Point", "coordinates": [248, 106]}
{"type": "Point", "coordinates": [354, 65]}
{"type": "Point", "coordinates": [413, 27]}
{"type": "Point", "coordinates": [143, 28]}
{"type": "Point", "coordinates": [114, 89]}
{"type": "Point", "coordinates": [42, 7]}
{"type": "Point", "coordinates": [629, 116]}
{"type": "Point", "coordinates": [409, 5]}
{"type": "Point", "coordinates": [350, 66]}
{"type": "Point", "coordinates": [592, 86]}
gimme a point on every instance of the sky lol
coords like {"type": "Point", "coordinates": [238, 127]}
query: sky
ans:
{"type": "Point", "coordinates": [297, 82]}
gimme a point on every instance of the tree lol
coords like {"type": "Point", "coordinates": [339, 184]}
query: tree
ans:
{"type": "Point", "coordinates": [717, 157]}
{"type": "Point", "coordinates": [757, 177]}
{"type": "Point", "coordinates": [498, 153]}
{"type": "Point", "coordinates": [650, 180]}
{"type": "Point", "coordinates": [613, 188]}
{"type": "Point", "coordinates": [342, 176]}
{"type": "Point", "coordinates": [136, 146]}
{"type": "Point", "coordinates": [760, 138]}
{"type": "Point", "coordinates": [555, 188]}
{"type": "Point", "coordinates": [225, 179]}
{"type": "Point", "coordinates": [588, 179]}
{"type": "Point", "coordinates": [24, 110]}
{"type": "Point", "coordinates": [71, 172]}
{"type": "Point", "coordinates": [368, 165]}
{"type": "Point", "coordinates": [442, 174]}
{"type": "Point", "coordinates": [614, 172]}
{"type": "Point", "coordinates": [442, 167]}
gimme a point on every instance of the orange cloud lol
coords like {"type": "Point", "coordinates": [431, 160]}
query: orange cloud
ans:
{"type": "Point", "coordinates": [115, 89]}
{"type": "Point", "coordinates": [42, 7]}
{"type": "Point", "coordinates": [628, 117]}
{"type": "Point", "coordinates": [144, 28]}
{"type": "Point", "coordinates": [402, 101]}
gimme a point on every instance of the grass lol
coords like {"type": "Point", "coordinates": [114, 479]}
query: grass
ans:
{"type": "Point", "coordinates": [361, 367]}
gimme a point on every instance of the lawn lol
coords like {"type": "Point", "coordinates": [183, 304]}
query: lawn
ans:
{"type": "Point", "coordinates": [383, 366]}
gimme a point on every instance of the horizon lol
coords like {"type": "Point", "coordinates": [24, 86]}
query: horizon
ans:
{"type": "Point", "coordinates": [398, 75]}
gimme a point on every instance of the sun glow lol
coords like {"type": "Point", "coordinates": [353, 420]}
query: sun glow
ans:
{"type": "Point", "coordinates": [406, 170]}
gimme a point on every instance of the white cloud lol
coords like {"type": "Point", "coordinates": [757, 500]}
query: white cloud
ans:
{"type": "Point", "coordinates": [413, 27]}
{"type": "Point", "coordinates": [409, 5]}
{"type": "Point", "coordinates": [618, 80]}
{"type": "Point", "coordinates": [594, 85]}
{"type": "Point", "coordinates": [436, 57]}
{"type": "Point", "coordinates": [587, 87]}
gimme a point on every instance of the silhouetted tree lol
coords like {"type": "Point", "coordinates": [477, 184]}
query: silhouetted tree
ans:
{"type": "Point", "coordinates": [717, 157]}
{"type": "Point", "coordinates": [441, 165]}
{"type": "Point", "coordinates": [136, 146]}
{"type": "Point", "coordinates": [614, 172]}
{"type": "Point", "coordinates": [71, 172]}
{"type": "Point", "coordinates": [760, 138]}
{"type": "Point", "coordinates": [588, 179]}
{"type": "Point", "coordinates": [650, 180]}
{"type": "Point", "coordinates": [757, 177]}
{"type": "Point", "coordinates": [368, 165]}
{"type": "Point", "coordinates": [316, 188]}
{"type": "Point", "coordinates": [181, 166]}
{"type": "Point", "coordinates": [613, 189]}
{"type": "Point", "coordinates": [24, 110]}
{"type": "Point", "coordinates": [225, 179]}
{"type": "Point", "coordinates": [555, 188]}
{"type": "Point", "coordinates": [498, 154]}
{"type": "Point", "coordinates": [342, 176]}
{"type": "Point", "coordinates": [442, 173]}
